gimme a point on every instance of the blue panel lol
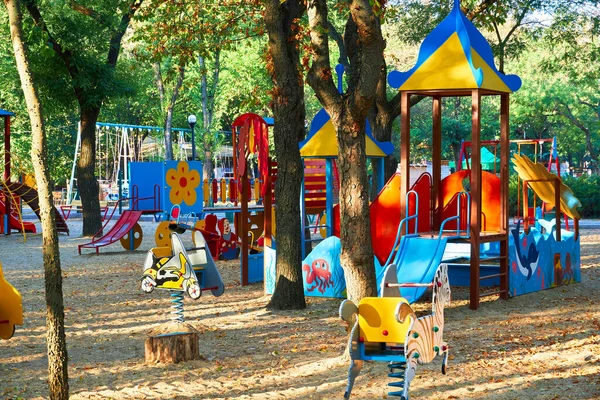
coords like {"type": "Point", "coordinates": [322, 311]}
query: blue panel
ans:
{"type": "Point", "coordinates": [322, 273]}
{"type": "Point", "coordinates": [460, 275]}
{"type": "Point", "coordinates": [255, 267]}
{"type": "Point", "coordinates": [144, 176]}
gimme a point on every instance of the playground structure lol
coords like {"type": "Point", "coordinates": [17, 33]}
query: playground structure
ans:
{"type": "Point", "coordinates": [13, 193]}
{"type": "Point", "coordinates": [155, 186]}
{"type": "Point", "coordinates": [464, 215]}
{"type": "Point", "coordinates": [178, 270]}
{"type": "Point", "coordinates": [11, 308]}
{"type": "Point", "coordinates": [116, 146]}
{"type": "Point", "coordinates": [386, 329]}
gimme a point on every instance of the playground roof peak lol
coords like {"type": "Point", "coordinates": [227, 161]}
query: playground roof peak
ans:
{"type": "Point", "coordinates": [455, 56]}
{"type": "Point", "coordinates": [322, 140]}
{"type": "Point", "coordinates": [4, 113]}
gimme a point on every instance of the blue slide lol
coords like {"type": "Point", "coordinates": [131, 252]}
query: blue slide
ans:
{"type": "Point", "coordinates": [416, 261]}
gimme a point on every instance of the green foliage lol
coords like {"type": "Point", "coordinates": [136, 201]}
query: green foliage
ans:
{"type": "Point", "coordinates": [586, 190]}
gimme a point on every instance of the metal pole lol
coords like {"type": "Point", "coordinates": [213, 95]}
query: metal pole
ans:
{"type": "Point", "coordinates": [120, 180]}
{"type": "Point", "coordinates": [193, 143]}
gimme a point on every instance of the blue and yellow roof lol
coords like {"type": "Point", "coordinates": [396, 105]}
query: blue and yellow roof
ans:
{"type": "Point", "coordinates": [455, 56]}
{"type": "Point", "coordinates": [322, 140]}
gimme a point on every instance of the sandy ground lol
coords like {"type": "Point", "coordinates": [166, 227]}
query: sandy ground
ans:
{"type": "Point", "coordinates": [544, 345]}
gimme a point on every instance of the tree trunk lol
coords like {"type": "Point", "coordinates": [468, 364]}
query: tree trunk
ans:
{"type": "Point", "coordinates": [348, 112]}
{"type": "Point", "coordinates": [355, 221]}
{"type": "Point", "coordinates": [208, 105]}
{"type": "Point", "coordinates": [169, 117]}
{"type": "Point", "coordinates": [87, 182]}
{"type": "Point", "coordinates": [207, 167]}
{"type": "Point", "coordinates": [289, 113]}
{"type": "Point", "coordinates": [58, 379]}
{"type": "Point", "coordinates": [172, 347]}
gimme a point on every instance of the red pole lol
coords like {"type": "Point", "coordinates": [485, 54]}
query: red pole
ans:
{"type": "Point", "coordinates": [7, 148]}
{"type": "Point", "coordinates": [7, 200]}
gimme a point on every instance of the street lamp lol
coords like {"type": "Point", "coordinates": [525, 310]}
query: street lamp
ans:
{"type": "Point", "coordinates": [192, 122]}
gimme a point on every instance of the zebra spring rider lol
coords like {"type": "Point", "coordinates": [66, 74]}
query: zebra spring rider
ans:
{"type": "Point", "coordinates": [387, 329]}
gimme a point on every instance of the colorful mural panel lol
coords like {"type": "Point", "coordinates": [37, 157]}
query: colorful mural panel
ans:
{"type": "Point", "coordinates": [537, 261]}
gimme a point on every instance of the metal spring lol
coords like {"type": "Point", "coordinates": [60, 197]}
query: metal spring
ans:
{"type": "Point", "coordinates": [177, 306]}
{"type": "Point", "coordinates": [397, 370]}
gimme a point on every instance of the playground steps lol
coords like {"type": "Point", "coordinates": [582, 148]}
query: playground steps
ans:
{"type": "Point", "coordinates": [31, 197]}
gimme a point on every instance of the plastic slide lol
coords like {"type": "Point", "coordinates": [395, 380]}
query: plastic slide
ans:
{"type": "Point", "coordinates": [16, 223]}
{"type": "Point", "coordinates": [528, 170]}
{"type": "Point", "coordinates": [30, 196]}
{"type": "Point", "coordinates": [416, 261]}
{"type": "Point", "coordinates": [11, 309]}
{"type": "Point", "coordinates": [124, 224]}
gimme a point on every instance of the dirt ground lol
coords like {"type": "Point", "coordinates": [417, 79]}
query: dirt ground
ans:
{"type": "Point", "coordinates": [544, 345]}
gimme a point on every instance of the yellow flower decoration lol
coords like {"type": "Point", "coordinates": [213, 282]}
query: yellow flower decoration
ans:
{"type": "Point", "coordinates": [183, 183]}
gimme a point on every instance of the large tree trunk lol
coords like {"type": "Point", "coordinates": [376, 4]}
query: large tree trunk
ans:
{"type": "Point", "coordinates": [355, 221]}
{"type": "Point", "coordinates": [364, 44]}
{"type": "Point", "coordinates": [58, 379]}
{"type": "Point", "coordinates": [289, 114]}
{"type": "Point", "coordinates": [87, 181]}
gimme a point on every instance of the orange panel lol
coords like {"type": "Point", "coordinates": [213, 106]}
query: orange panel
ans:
{"type": "Point", "coordinates": [490, 199]}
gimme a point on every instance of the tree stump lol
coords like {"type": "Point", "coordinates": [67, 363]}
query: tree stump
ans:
{"type": "Point", "coordinates": [172, 347]}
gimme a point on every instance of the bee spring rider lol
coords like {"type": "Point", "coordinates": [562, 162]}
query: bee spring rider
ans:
{"type": "Point", "coordinates": [181, 271]}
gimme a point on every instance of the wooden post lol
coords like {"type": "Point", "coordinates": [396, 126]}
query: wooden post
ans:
{"type": "Point", "coordinates": [557, 208]}
{"type": "Point", "coordinates": [504, 154]}
{"type": "Point", "coordinates": [329, 196]}
{"type": "Point", "coordinates": [475, 223]}
{"type": "Point", "coordinates": [244, 226]}
{"type": "Point", "coordinates": [436, 154]}
{"type": "Point", "coordinates": [172, 347]}
{"type": "Point", "coordinates": [404, 151]}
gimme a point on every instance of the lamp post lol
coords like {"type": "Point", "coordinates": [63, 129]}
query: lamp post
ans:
{"type": "Point", "coordinates": [192, 122]}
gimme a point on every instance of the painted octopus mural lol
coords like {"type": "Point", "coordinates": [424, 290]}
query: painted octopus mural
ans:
{"type": "Point", "coordinates": [318, 276]}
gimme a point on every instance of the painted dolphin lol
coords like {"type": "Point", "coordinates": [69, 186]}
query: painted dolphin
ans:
{"type": "Point", "coordinates": [527, 265]}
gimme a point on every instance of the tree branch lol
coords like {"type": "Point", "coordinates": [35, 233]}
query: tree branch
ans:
{"type": "Point", "coordinates": [339, 40]}
{"type": "Point", "coordinates": [89, 12]}
{"type": "Point", "coordinates": [115, 40]}
{"type": "Point", "coordinates": [480, 9]}
{"type": "Point", "coordinates": [366, 64]}
{"type": "Point", "coordinates": [319, 75]}
{"type": "Point", "coordinates": [159, 83]}
{"type": "Point", "coordinates": [64, 54]}
{"type": "Point", "coordinates": [595, 108]}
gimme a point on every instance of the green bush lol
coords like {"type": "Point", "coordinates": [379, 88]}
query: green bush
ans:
{"type": "Point", "coordinates": [587, 189]}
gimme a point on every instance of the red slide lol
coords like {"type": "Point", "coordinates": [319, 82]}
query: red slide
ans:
{"type": "Point", "coordinates": [14, 222]}
{"type": "Point", "coordinates": [124, 224]}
